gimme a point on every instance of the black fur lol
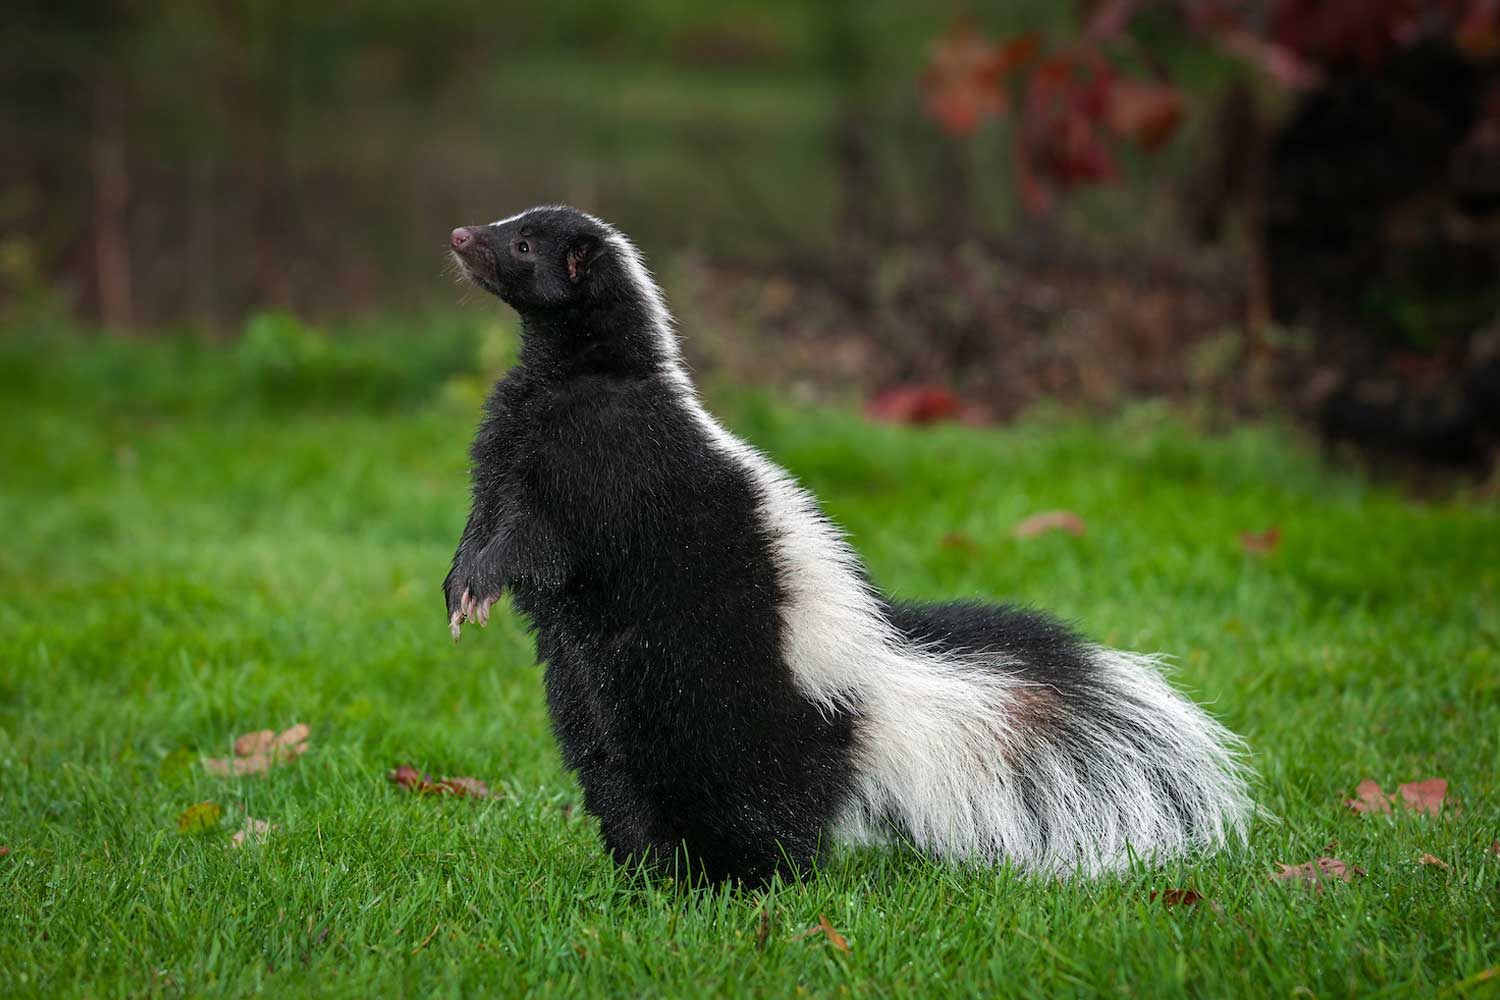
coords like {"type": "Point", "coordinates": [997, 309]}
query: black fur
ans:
{"type": "Point", "coordinates": [634, 550]}
{"type": "Point", "coordinates": [637, 548]}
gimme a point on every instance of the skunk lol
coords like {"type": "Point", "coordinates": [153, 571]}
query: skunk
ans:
{"type": "Point", "coordinates": [729, 686]}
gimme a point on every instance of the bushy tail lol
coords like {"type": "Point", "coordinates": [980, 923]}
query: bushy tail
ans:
{"type": "Point", "coordinates": [972, 754]}
{"type": "Point", "coordinates": [969, 759]}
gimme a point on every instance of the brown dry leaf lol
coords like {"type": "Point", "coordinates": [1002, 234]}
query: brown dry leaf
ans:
{"type": "Point", "coordinates": [1425, 796]}
{"type": "Point", "coordinates": [1052, 520]}
{"type": "Point", "coordinates": [825, 928]}
{"type": "Point", "coordinates": [257, 752]}
{"type": "Point", "coordinates": [413, 780]}
{"type": "Point", "coordinates": [4, 851]}
{"type": "Point", "coordinates": [1316, 872]}
{"type": "Point", "coordinates": [1177, 897]}
{"type": "Point", "coordinates": [199, 818]}
{"type": "Point", "coordinates": [255, 831]}
{"type": "Point", "coordinates": [408, 777]}
{"type": "Point", "coordinates": [472, 787]}
{"type": "Point", "coordinates": [1428, 859]}
{"type": "Point", "coordinates": [1369, 797]}
{"type": "Point", "coordinates": [1261, 543]}
{"type": "Point", "coordinates": [1495, 848]}
{"type": "Point", "coordinates": [251, 744]}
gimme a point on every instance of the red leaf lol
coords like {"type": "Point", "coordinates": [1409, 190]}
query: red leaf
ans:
{"type": "Point", "coordinates": [914, 404]}
{"type": "Point", "coordinates": [1425, 796]}
{"type": "Point", "coordinates": [1052, 520]}
{"type": "Point", "coordinates": [1261, 543]}
{"type": "Point", "coordinates": [1058, 145]}
{"type": "Point", "coordinates": [4, 852]}
{"type": "Point", "coordinates": [1145, 113]}
{"type": "Point", "coordinates": [1316, 872]}
{"type": "Point", "coordinates": [1177, 897]}
{"type": "Point", "coordinates": [961, 84]}
{"type": "Point", "coordinates": [1369, 798]}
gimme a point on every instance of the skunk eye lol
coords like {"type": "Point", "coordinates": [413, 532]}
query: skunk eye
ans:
{"type": "Point", "coordinates": [523, 247]}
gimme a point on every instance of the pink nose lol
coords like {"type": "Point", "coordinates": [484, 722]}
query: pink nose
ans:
{"type": "Point", "coordinates": [461, 238]}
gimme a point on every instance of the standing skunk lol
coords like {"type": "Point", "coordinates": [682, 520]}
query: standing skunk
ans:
{"type": "Point", "coordinates": [721, 673]}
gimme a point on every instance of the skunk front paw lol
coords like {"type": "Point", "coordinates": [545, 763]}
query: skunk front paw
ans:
{"type": "Point", "coordinates": [472, 609]}
{"type": "Point", "coordinates": [470, 598]}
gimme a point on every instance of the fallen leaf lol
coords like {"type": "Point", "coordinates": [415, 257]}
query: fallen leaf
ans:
{"type": "Point", "coordinates": [1428, 859]}
{"type": "Point", "coordinates": [413, 780]}
{"type": "Point", "coordinates": [1425, 796]}
{"type": "Point", "coordinates": [258, 752]}
{"type": "Point", "coordinates": [826, 929]}
{"type": "Point", "coordinates": [199, 818]}
{"type": "Point", "coordinates": [407, 777]}
{"type": "Point", "coordinates": [1495, 848]}
{"type": "Point", "coordinates": [1369, 797]}
{"type": "Point", "coordinates": [1261, 543]}
{"type": "Point", "coordinates": [472, 787]}
{"type": "Point", "coordinates": [254, 831]}
{"type": "Point", "coordinates": [914, 404]}
{"type": "Point", "coordinates": [1316, 872]}
{"type": "Point", "coordinates": [4, 852]}
{"type": "Point", "coordinates": [176, 763]}
{"type": "Point", "coordinates": [1176, 897]}
{"type": "Point", "coordinates": [251, 744]}
{"type": "Point", "coordinates": [763, 930]}
{"type": "Point", "coordinates": [1052, 520]}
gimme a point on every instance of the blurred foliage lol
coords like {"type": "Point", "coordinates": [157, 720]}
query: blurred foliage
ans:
{"type": "Point", "coordinates": [313, 156]}
{"type": "Point", "coordinates": [279, 364]}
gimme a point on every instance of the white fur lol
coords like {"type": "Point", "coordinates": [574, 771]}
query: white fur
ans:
{"type": "Point", "coordinates": [944, 743]}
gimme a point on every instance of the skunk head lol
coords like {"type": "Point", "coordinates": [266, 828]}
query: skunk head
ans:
{"type": "Point", "coordinates": [546, 259]}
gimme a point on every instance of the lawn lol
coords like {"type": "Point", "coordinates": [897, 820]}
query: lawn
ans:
{"type": "Point", "coordinates": [204, 541]}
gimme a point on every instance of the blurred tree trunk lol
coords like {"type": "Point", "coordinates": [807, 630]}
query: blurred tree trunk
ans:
{"type": "Point", "coordinates": [111, 204]}
{"type": "Point", "coordinates": [203, 281]}
{"type": "Point", "coordinates": [854, 161]}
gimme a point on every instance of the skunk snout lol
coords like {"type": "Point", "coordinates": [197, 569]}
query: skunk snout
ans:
{"type": "Point", "coordinates": [461, 239]}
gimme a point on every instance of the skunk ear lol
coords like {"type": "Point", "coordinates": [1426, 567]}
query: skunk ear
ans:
{"type": "Point", "coordinates": [580, 255]}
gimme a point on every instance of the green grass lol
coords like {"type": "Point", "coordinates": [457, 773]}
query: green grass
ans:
{"type": "Point", "coordinates": [199, 542]}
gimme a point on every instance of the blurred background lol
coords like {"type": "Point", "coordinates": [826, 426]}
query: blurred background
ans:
{"type": "Point", "coordinates": [944, 211]}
